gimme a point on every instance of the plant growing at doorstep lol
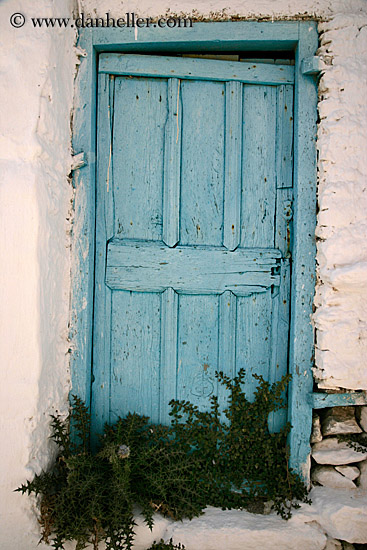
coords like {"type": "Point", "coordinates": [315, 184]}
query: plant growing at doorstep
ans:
{"type": "Point", "coordinates": [224, 458]}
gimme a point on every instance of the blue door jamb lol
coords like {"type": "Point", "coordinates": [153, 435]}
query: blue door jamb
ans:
{"type": "Point", "coordinates": [299, 36]}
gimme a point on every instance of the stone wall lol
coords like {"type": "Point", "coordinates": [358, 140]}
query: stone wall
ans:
{"type": "Point", "coordinates": [339, 447]}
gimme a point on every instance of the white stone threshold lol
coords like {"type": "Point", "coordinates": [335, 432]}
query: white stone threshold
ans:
{"type": "Point", "coordinates": [334, 514]}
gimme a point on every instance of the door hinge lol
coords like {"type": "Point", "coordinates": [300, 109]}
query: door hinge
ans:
{"type": "Point", "coordinates": [287, 210]}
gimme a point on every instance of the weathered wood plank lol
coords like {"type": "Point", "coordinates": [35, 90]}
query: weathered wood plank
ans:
{"type": "Point", "coordinates": [258, 168]}
{"type": "Point", "coordinates": [100, 405]}
{"type": "Point", "coordinates": [253, 338]}
{"type": "Point", "coordinates": [323, 400]}
{"type": "Point", "coordinates": [83, 245]}
{"type": "Point", "coordinates": [284, 136]}
{"type": "Point", "coordinates": [201, 37]}
{"type": "Point", "coordinates": [283, 221]}
{"type": "Point", "coordinates": [227, 333]}
{"type": "Point", "coordinates": [172, 165]}
{"type": "Point", "coordinates": [303, 254]}
{"type": "Point", "coordinates": [233, 162]}
{"type": "Point", "coordinates": [203, 107]}
{"type": "Point", "coordinates": [195, 69]}
{"type": "Point", "coordinates": [168, 369]}
{"type": "Point", "coordinates": [135, 354]}
{"type": "Point", "coordinates": [197, 348]}
{"type": "Point", "coordinates": [227, 341]}
{"type": "Point", "coordinates": [185, 269]}
{"type": "Point", "coordinates": [138, 157]}
{"type": "Point", "coordinates": [280, 338]}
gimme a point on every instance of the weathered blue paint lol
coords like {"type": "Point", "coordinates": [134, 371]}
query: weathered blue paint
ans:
{"type": "Point", "coordinates": [172, 166]}
{"type": "Point", "coordinates": [311, 65]}
{"type": "Point", "coordinates": [323, 400]}
{"type": "Point", "coordinates": [134, 363]}
{"type": "Point", "coordinates": [233, 162]}
{"type": "Point", "coordinates": [152, 267]}
{"type": "Point", "coordinates": [169, 308]}
{"type": "Point", "coordinates": [104, 231]}
{"type": "Point", "coordinates": [195, 69]}
{"type": "Point", "coordinates": [303, 255]}
{"type": "Point", "coordinates": [239, 36]}
{"type": "Point", "coordinates": [82, 272]}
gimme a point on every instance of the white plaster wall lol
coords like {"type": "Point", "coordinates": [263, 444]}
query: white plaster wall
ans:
{"type": "Point", "coordinates": [341, 318]}
{"type": "Point", "coordinates": [36, 83]}
{"type": "Point", "coordinates": [37, 71]}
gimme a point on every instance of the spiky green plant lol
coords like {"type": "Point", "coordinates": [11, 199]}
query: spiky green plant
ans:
{"type": "Point", "coordinates": [226, 459]}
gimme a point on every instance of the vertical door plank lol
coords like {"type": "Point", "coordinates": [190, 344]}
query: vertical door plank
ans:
{"type": "Point", "coordinates": [139, 127]}
{"type": "Point", "coordinates": [304, 252]}
{"type": "Point", "coordinates": [197, 348]}
{"type": "Point", "coordinates": [172, 166]}
{"type": "Point", "coordinates": [283, 221]}
{"type": "Point", "coordinates": [283, 225]}
{"type": "Point", "coordinates": [104, 231]}
{"type": "Point", "coordinates": [135, 354]}
{"type": "Point", "coordinates": [258, 171]}
{"type": "Point", "coordinates": [280, 339]}
{"type": "Point", "coordinates": [227, 341]}
{"type": "Point", "coordinates": [203, 111]}
{"type": "Point", "coordinates": [253, 337]}
{"type": "Point", "coordinates": [168, 374]}
{"type": "Point", "coordinates": [284, 154]}
{"type": "Point", "coordinates": [233, 162]}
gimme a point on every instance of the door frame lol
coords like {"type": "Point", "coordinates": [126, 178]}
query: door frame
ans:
{"type": "Point", "coordinates": [302, 38]}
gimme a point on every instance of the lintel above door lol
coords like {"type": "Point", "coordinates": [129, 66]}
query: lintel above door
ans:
{"type": "Point", "coordinates": [195, 69]}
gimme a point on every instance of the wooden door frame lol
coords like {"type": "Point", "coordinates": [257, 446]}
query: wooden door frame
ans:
{"type": "Point", "coordinates": [302, 38]}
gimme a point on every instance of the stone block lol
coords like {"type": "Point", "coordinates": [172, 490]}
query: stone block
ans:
{"type": "Point", "coordinates": [340, 420]}
{"type": "Point", "coordinates": [341, 514]}
{"type": "Point", "coordinates": [316, 435]}
{"type": "Point", "coordinates": [331, 451]}
{"type": "Point", "coordinates": [361, 414]}
{"type": "Point", "coordinates": [333, 544]}
{"type": "Point", "coordinates": [329, 477]}
{"type": "Point", "coordinates": [351, 472]}
{"type": "Point", "coordinates": [362, 481]}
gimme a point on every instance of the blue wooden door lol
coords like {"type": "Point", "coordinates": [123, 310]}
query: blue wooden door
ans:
{"type": "Point", "coordinates": [194, 190]}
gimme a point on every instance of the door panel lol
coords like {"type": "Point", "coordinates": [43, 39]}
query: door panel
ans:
{"type": "Point", "coordinates": [137, 176]}
{"type": "Point", "coordinates": [192, 235]}
{"type": "Point", "coordinates": [202, 162]}
{"type": "Point", "coordinates": [258, 166]}
{"type": "Point", "coordinates": [135, 352]}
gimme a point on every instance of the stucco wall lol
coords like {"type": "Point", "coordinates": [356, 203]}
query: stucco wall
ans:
{"type": "Point", "coordinates": [341, 317]}
{"type": "Point", "coordinates": [37, 69]}
{"type": "Point", "coordinates": [37, 75]}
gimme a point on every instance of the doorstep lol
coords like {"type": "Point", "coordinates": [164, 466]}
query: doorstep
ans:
{"type": "Point", "coordinates": [334, 513]}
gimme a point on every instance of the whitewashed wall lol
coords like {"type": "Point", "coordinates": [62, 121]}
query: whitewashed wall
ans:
{"type": "Point", "coordinates": [36, 83]}
{"type": "Point", "coordinates": [37, 74]}
{"type": "Point", "coordinates": [341, 318]}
